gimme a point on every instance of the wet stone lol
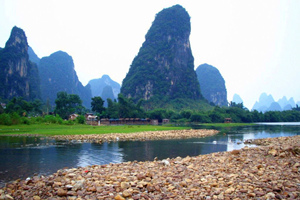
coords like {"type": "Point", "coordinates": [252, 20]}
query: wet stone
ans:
{"type": "Point", "coordinates": [250, 173]}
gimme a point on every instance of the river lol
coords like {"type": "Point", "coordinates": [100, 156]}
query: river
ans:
{"type": "Point", "coordinates": [23, 157]}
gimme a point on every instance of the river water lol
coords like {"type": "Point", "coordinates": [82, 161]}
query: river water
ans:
{"type": "Point", "coordinates": [22, 157]}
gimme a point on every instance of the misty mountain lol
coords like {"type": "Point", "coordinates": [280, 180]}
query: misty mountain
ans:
{"type": "Point", "coordinates": [288, 107]}
{"type": "Point", "coordinates": [287, 104]}
{"type": "Point", "coordinates": [292, 102]}
{"type": "Point", "coordinates": [264, 103]}
{"type": "Point", "coordinates": [57, 74]}
{"type": "Point", "coordinates": [18, 75]}
{"type": "Point", "coordinates": [274, 107]}
{"type": "Point", "coordinates": [266, 100]}
{"type": "Point", "coordinates": [237, 99]}
{"type": "Point", "coordinates": [97, 86]}
{"type": "Point", "coordinates": [283, 102]}
{"type": "Point", "coordinates": [267, 103]}
{"type": "Point", "coordinates": [212, 84]}
{"type": "Point", "coordinates": [32, 56]}
{"type": "Point", "coordinates": [107, 93]}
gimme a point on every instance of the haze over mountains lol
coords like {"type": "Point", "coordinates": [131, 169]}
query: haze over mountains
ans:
{"type": "Point", "coordinates": [212, 84]}
{"type": "Point", "coordinates": [98, 85]}
{"type": "Point", "coordinates": [267, 103]}
{"type": "Point", "coordinates": [162, 73]}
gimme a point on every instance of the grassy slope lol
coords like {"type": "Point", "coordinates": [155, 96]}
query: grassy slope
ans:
{"type": "Point", "coordinates": [55, 129]}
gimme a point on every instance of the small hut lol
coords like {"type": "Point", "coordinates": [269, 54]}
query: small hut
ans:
{"type": "Point", "coordinates": [227, 120]}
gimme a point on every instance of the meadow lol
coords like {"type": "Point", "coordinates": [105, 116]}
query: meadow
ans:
{"type": "Point", "coordinates": [78, 129]}
{"type": "Point", "coordinates": [45, 129]}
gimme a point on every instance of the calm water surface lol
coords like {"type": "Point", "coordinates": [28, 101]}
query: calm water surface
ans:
{"type": "Point", "coordinates": [21, 157]}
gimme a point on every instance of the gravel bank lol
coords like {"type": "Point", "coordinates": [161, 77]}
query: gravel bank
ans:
{"type": "Point", "coordinates": [140, 136]}
{"type": "Point", "coordinates": [263, 172]}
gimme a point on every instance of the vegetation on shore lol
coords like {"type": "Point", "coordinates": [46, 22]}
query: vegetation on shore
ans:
{"type": "Point", "coordinates": [226, 125]}
{"type": "Point", "coordinates": [19, 111]}
{"type": "Point", "coordinates": [78, 129]}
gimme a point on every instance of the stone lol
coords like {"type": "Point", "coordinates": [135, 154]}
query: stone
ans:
{"type": "Point", "coordinates": [125, 185]}
{"type": "Point", "coordinates": [71, 175]}
{"type": "Point", "coordinates": [36, 198]}
{"type": "Point", "coordinates": [165, 162]}
{"type": "Point", "coordinates": [229, 190]}
{"type": "Point", "coordinates": [270, 195]}
{"type": "Point", "coordinates": [72, 193]}
{"type": "Point", "coordinates": [7, 197]}
{"type": "Point", "coordinates": [61, 192]}
{"type": "Point", "coordinates": [251, 174]}
{"type": "Point", "coordinates": [235, 152]}
{"type": "Point", "coordinates": [78, 185]}
{"type": "Point", "coordinates": [273, 152]}
{"type": "Point", "coordinates": [119, 197]}
{"type": "Point", "coordinates": [127, 193]}
{"type": "Point", "coordinates": [92, 189]}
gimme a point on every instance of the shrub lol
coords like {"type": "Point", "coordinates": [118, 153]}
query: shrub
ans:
{"type": "Point", "coordinates": [68, 122]}
{"type": "Point", "coordinates": [15, 118]}
{"type": "Point", "coordinates": [5, 119]}
{"type": "Point", "coordinates": [25, 120]}
{"type": "Point", "coordinates": [80, 119]}
{"type": "Point", "coordinates": [53, 119]}
{"type": "Point", "coordinates": [203, 118]}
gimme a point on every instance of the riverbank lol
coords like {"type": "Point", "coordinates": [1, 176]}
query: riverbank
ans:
{"type": "Point", "coordinates": [44, 129]}
{"type": "Point", "coordinates": [264, 172]}
{"type": "Point", "coordinates": [139, 136]}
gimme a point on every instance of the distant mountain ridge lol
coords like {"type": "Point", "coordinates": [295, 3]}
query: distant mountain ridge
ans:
{"type": "Point", "coordinates": [32, 56]}
{"type": "Point", "coordinates": [58, 74]}
{"type": "Point", "coordinates": [237, 99]}
{"type": "Point", "coordinates": [97, 86]}
{"type": "Point", "coordinates": [267, 103]}
{"type": "Point", "coordinates": [212, 84]}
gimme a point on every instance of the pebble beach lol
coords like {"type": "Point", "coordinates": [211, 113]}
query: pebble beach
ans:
{"type": "Point", "coordinates": [139, 136]}
{"type": "Point", "coordinates": [269, 171]}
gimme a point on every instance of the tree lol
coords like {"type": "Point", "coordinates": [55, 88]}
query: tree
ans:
{"type": "Point", "coordinates": [36, 104]}
{"type": "Point", "coordinates": [112, 110]}
{"type": "Point", "coordinates": [97, 105]}
{"type": "Point", "coordinates": [158, 114]}
{"type": "Point", "coordinates": [67, 104]}
{"type": "Point", "coordinates": [128, 109]}
{"type": "Point", "coordinates": [18, 105]}
{"type": "Point", "coordinates": [200, 117]}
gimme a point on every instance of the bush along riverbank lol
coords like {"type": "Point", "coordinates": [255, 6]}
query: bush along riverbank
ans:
{"type": "Point", "coordinates": [269, 171]}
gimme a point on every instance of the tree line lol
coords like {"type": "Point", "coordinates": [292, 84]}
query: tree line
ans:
{"type": "Point", "coordinates": [18, 111]}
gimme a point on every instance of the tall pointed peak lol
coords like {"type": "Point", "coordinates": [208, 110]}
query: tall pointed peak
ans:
{"type": "Point", "coordinates": [18, 40]}
{"type": "Point", "coordinates": [164, 65]}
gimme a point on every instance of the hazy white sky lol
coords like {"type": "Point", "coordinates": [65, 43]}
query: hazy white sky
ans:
{"type": "Point", "coordinates": [254, 44]}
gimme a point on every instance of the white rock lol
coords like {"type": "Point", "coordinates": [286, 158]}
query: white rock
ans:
{"type": "Point", "coordinates": [165, 162]}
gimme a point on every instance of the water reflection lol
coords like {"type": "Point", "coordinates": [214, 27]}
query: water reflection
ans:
{"type": "Point", "coordinates": [21, 157]}
{"type": "Point", "coordinates": [95, 154]}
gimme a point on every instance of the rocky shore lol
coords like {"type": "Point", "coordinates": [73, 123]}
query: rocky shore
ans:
{"type": "Point", "coordinates": [139, 136]}
{"type": "Point", "coordinates": [270, 171]}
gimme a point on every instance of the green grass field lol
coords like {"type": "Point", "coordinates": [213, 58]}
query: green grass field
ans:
{"type": "Point", "coordinates": [56, 129]}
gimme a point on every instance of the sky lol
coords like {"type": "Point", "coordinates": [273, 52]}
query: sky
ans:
{"type": "Point", "coordinates": [254, 44]}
